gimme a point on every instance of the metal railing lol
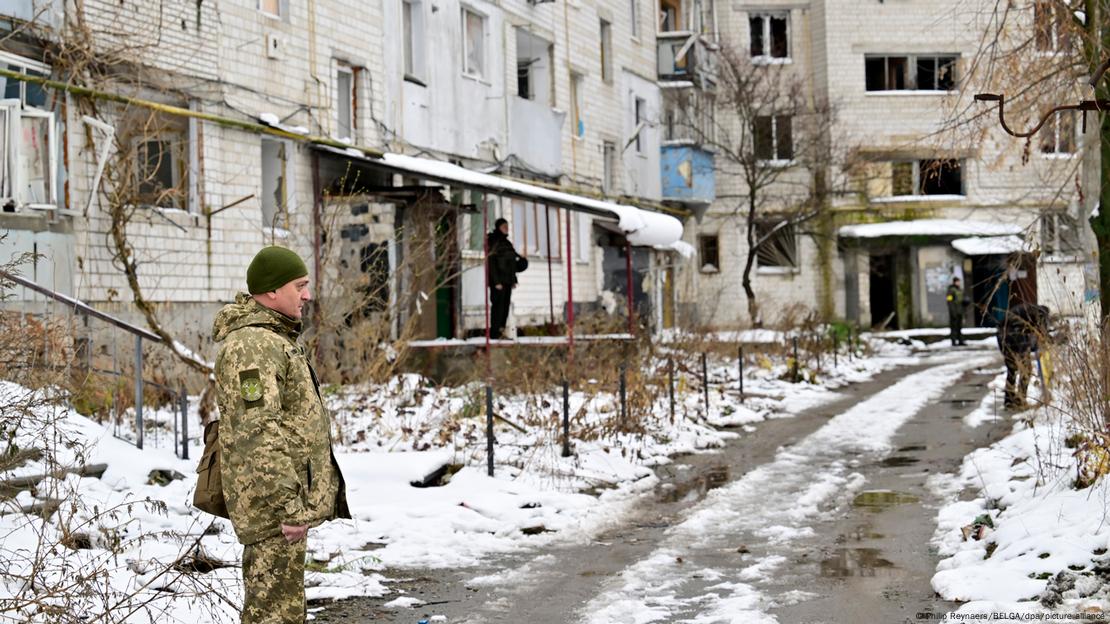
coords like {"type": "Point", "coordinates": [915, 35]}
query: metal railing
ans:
{"type": "Point", "coordinates": [180, 398]}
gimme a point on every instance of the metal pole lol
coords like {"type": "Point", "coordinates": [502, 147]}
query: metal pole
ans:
{"type": "Point", "coordinates": [628, 270]}
{"type": "Point", "coordinates": [741, 378]}
{"type": "Point", "coordinates": [184, 424]}
{"type": "Point", "coordinates": [836, 349]}
{"type": "Point", "coordinates": [670, 385]}
{"type": "Point", "coordinates": [624, 395]}
{"type": "Point", "coordinates": [550, 274]}
{"type": "Point", "coordinates": [570, 300]}
{"type": "Point", "coordinates": [797, 369]}
{"type": "Point", "coordinates": [705, 381]}
{"type": "Point", "coordinates": [139, 391]}
{"type": "Point", "coordinates": [566, 418]}
{"type": "Point", "coordinates": [485, 278]}
{"type": "Point", "coordinates": [489, 430]}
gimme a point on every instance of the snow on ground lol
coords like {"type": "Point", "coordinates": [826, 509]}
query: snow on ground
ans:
{"type": "Point", "coordinates": [143, 536]}
{"type": "Point", "coordinates": [807, 478]}
{"type": "Point", "coordinates": [1039, 524]}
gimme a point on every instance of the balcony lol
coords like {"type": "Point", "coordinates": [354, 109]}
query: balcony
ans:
{"type": "Point", "coordinates": [687, 56]}
{"type": "Point", "coordinates": [688, 174]}
{"type": "Point", "coordinates": [535, 135]}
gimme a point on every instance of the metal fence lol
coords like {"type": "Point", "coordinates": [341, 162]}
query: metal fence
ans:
{"type": "Point", "coordinates": [179, 398]}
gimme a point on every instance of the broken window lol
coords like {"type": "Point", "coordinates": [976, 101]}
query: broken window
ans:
{"type": "Point", "coordinates": [927, 177]}
{"type": "Point", "coordinates": [932, 72]}
{"type": "Point", "coordinates": [773, 137]}
{"type": "Point", "coordinates": [474, 43]}
{"type": "Point", "coordinates": [609, 164]}
{"type": "Point", "coordinates": [709, 253]}
{"type": "Point", "coordinates": [639, 119]}
{"type": "Point", "coordinates": [670, 15]}
{"type": "Point", "coordinates": [533, 67]}
{"type": "Point", "coordinates": [1058, 134]}
{"type": "Point", "coordinates": [769, 36]}
{"type": "Point", "coordinates": [345, 102]}
{"type": "Point", "coordinates": [412, 24]}
{"type": "Point", "coordinates": [161, 170]}
{"type": "Point", "coordinates": [1052, 28]}
{"type": "Point", "coordinates": [606, 51]}
{"type": "Point", "coordinates": [1061, 234]}
{"type": "Point", "coordinates": [275, 183]}
{"type": "Point", "coordinates": [29, 147]}
{"type": "Point", "coordinates": [779, 246]}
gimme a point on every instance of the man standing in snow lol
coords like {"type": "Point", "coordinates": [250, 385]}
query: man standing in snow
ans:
{"type": "Point", "coordinates": [956, 306]}
{"type": "Point", "coordinates": [502, 276]}
{"type": "Point", "coordinates": [279, 474]}
{"type": "Point", "coordinates": [1022, 327]}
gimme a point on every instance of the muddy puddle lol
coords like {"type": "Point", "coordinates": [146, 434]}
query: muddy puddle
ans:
{"type": "Point", "coordinates": [694, 487]}
{"type": "Point", "coordinates": [847, 562]}
{"type": "Point", "coordinates": [878, 500]}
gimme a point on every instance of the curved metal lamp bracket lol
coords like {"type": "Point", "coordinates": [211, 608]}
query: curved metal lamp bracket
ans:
{"type": "Point", "coordinates": [1083, 105]}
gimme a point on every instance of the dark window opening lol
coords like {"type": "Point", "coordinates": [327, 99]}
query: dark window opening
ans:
{"type": "Point", "coordinates": [941, 177]}
{"type": "Point", "coordinates": [709, 253]}
{"type": "Point", "coordinates": [915, 73]}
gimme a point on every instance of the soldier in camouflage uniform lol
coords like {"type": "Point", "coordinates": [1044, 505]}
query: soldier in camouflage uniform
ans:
{"type": "Point", "coordinates": [279, 474]}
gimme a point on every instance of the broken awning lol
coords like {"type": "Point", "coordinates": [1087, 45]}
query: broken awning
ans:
{"type": "Point", "coordinates": [640, 227]}
{"type": "Point", "coordinates": [962, 228]}
{"type": "Point", "coordinates": [989, 245]}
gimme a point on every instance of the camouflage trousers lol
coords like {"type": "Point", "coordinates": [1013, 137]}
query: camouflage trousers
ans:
{"type": "Point", "coordinates": [273, 582]}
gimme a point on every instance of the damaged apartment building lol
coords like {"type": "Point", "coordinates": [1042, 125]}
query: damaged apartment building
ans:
{"type": "Point", "coordinates": [382, 149]}
{"type": "Point", "coordinates": [890, 211]}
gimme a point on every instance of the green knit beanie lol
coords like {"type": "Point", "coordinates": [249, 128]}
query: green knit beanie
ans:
{"type": "Point", "coordinates": [272, 268]}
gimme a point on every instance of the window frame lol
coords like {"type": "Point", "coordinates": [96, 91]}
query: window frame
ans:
{"type": "Point", "coordinates": [767, 57]}
{"type": "Point", "coordinates": [639, 121]}
{"type": "Point", "coordinates": [911, 72]}
{"type": "Point", "coordinates": [776, 159]}
{"type": "Point", "coordinates": [1053, 127]}
{"type": "Point", "coordinates": [282, 7]}
{"type": "Point", "coordinates": [350, 97]}
{"type": "Point", "coordinates": [578, 127]}
{"type": "Point", "coordinates": [918, 181]}
{"type": "Point", "coordinates": [483, 60]}
{"type": "Point", "coordinates": [609, 167]}
{"type": "Point", "coordinates": [17, 110]}
{"type": "Point", "coordinates": [1056, 249]}
{"type": "Point", "coordinates": [703, 239]}
{"type": "Point", "coordinates": [412, 41]}
{"type": "Point", "coordinates": [526, 231]}
{"type": "Point", "coordinates": [179, 166]}
{"type": "Point", "coordinates": [1059, 41]}
{"type": "Point", "coordinates": [287, 182]}
{"type": "Point", "coordinates": [790, 232]}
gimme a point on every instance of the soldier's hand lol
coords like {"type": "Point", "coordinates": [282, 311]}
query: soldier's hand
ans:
{"type": "Point", "coordinates": [294, 533]}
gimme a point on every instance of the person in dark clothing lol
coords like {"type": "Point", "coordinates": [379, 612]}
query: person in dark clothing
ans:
{"type": "Point", "coordinates": [1018, 336]}
{"type": "Point", "coordinates": [501, 268]}
{"type": "Point", "coordinates": [956, 306]}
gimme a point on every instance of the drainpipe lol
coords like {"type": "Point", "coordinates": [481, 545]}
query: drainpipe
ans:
{"type": "Point", "coordinates": [317, 201]}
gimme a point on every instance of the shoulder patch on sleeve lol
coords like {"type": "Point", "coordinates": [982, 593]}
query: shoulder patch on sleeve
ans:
{"type": "Point", "coordinates": [250, 387]}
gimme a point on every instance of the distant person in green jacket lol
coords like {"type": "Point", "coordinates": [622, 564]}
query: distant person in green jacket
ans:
{"type": "Point", "coordinates": [956, 306]}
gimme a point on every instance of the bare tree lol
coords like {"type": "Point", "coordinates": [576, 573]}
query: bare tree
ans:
{"type": "Point", "coordinates": [771, 139]}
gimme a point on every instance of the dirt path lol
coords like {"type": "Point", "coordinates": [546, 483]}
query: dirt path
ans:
{"type": "Point", "coordinates": [881, 553]}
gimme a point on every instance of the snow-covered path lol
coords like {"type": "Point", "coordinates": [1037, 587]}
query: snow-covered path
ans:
{"type": "Point", "coordinates": [776, 503]}
{"type": "Point", "coordinates": [743, 534]}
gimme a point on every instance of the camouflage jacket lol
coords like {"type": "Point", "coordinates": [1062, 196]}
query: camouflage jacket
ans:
{"type": "Point", "coordinates": [275, 434]}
